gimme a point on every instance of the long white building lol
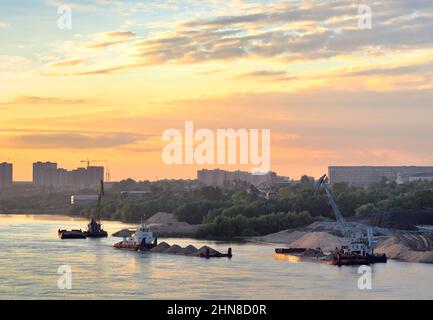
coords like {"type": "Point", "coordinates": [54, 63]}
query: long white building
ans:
{"type": "Point", "coordinates": [365, 175]}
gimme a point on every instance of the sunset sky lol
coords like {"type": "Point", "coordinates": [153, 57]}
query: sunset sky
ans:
{"type": "Point", "coordinates": [331, 93]}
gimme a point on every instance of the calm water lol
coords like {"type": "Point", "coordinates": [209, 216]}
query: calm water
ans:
{"type": "Point", "coordinates": [30, 254]}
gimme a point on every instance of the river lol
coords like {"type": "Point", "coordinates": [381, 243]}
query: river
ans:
{"type": "Point", "coordinates": [31, 253]}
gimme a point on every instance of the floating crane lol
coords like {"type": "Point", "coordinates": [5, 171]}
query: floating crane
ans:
{"type": "Point", "coordinates": [360, 248]}
{"type": "Point", "coordinates": [358, 243]}
{"type": "Point", "coordinates": [94, 228]}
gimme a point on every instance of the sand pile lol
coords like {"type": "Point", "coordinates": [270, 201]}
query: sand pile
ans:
{"type": "Point", "coordinates": [408, 247]}
{"type": "Point", "coordinates": [332, 227]}
{"type": "Point", "coordinates": [305, 239]}
{"type": "Point", "coordinates": [164, 224]}
{"type": "Point", "coordinates": [202, 250]}
{"type": "Point", "coordinates": [123, 233]}
{"type": "Point", "coordinates": [162, 218]}
{"type": "Point", "coordinates": [327, 242]}
{"type": "Point", "coordinates": [174, 249]}
{"type": "Point", "coordinates": [161, 247]}
{"type": "Point", "coordinates": [190, 250]}
{"type": "Point", "coordinates": [285, 236]}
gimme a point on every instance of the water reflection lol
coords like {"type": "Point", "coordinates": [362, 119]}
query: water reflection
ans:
{"type": "Point", "coordinates": [31, 252]}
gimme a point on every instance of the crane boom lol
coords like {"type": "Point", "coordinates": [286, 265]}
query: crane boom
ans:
{"type": "Point", "coordinates": [358, 243]}
{"type": "Point", "coordinates": [341, 222]}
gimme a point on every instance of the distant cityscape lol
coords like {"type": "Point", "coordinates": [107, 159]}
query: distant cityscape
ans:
{"type": "Point", "coordinates": [48, 174]}
{"type": "Point", "coordinates": [222, 178]}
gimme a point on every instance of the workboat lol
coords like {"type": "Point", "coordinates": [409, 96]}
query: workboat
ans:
{"type": "Point", "coordinates": [94, 230]}
{"type": "Point", "coordinates": [142, 240]}
{"type": "Point", "coordinates": [339, 257]}
{"type": "Point", "coordinates": [94, 227]}
{"type": "Point", "coordinates": [71, 234]}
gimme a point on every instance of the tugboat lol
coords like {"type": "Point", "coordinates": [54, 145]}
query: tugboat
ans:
{"type": "Point", "coordinates": [142, 240]}
{"type": "Point", "coordinates": [94, 228]}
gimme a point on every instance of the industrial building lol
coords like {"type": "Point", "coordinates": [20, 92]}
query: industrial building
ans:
{"type": "Point", "coordinates": [47, 174]}
{"type": "Point", "coordinates": [222, 178]}
{"type": "Point", "coordinates": [6, 174]}
{"type": "Point", "coordinates": [365, 175]}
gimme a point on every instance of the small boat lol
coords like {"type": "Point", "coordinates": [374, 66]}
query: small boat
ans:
{"type": "Point", "coordinates": [94, 230]}
{"type": "Point", "coordinates": [71, 234]}
{"type": "Point", "coordinates": [142, 240]}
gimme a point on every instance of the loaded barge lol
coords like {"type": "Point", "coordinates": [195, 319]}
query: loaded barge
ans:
{"type": "Point", "coordinates": [144, 240]}
{"type": "Point", "coordinates": [71, 234]}
{"type": "Point", "coordinates": [339, 257]}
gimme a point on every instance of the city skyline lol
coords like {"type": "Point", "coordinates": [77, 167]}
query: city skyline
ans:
{"type": "Point", "coordinates": [331, 93]}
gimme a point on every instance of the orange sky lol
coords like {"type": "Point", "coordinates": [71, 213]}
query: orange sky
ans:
{"type": "Point", "coordinates": [331, 93]}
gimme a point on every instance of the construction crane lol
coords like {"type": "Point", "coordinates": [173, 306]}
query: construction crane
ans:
{"type": "Point", "coordinates": [357, 242]}
{"type": "Point", "coordinates": [87, 161]}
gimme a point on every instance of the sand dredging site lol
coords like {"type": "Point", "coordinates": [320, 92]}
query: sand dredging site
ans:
{"type": "Point", "coordinates": [403, 245]}
{"type": "Point", "coordinates": [409, 246]}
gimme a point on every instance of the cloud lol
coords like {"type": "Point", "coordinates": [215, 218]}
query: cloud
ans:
{"type": "Point", "coordinates": [65, 63]}
{"type": "Point", "coordinates": [281, 31]}
{"type": "Point", "coordinates": [8, 62]}
{"type": "Point", "coordinates": [73, 140]}
{"type": "Point", "coordinates": [4, 24]}
{"type": "Point", "coordinates": [33, 100]}
{"type": "Point", "coordinates": [111, 38]}
{"type": "Point", "coordinates": [95, 71]}
{"type": "Point", "coordinates": [265, 75]}
{"type": "Point", "coordinates": [73, 5]}
{"type": "Point", "coordinates": [416, 69]}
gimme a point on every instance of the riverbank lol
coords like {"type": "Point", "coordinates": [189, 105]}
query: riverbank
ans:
{"type": "Point", "coordinates": [165, 224]}
{"type": "Point", "coordinates": [408, 246]}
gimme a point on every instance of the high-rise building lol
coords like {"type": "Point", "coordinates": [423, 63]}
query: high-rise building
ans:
{"type": "Point", "coordinates": [47, 174]}
{"type": "Point", "coordinates": [6, 174]}
{"type": "Point", "coordinates": [365, 175]}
